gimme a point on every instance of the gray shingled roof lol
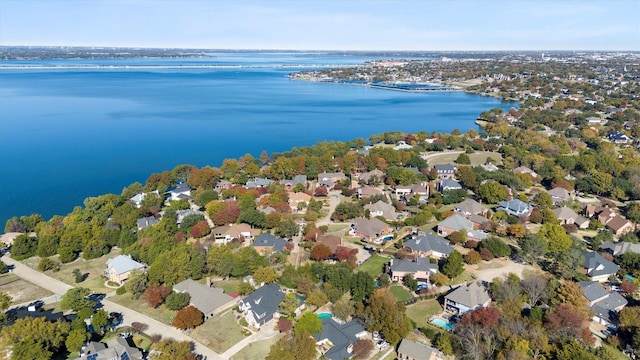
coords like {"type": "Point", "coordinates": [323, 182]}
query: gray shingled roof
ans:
{"type": "Point", "coordinates": [457, 223]}
{"type": "Point", "coordinates": [471, 295]}
{"type": "Point", "coordinates": [597, 265]}
{"type": "Point", "coordinates": [416, 350]}
{"type": "Point", "coordinates": [265, 301]}
{"type": "Point", "coordinates": [470, 206]}
{"type": "Point", "coordinates": [620, 247]}
{"type": "Point", "coordinates": [268, 240]}
{"type": "Point", "coordinates": [449, 184]}
{"type": "Point", "coordinates": [370, 227]}
{"type": "Point", "coordinates": [206, 299]}
{"type": "Point", "coordinates": [421, 264]}
{"type": "Point", "coordinates": [444, 167]}
{"type": "Point", "coordinates": [606, 309]}
{"type": "Point", "coordinates": [593, 290]}
{"type": "Point", "coordinates": [429, 242]}
{"type": "Point", "coordinates": [341, 336]}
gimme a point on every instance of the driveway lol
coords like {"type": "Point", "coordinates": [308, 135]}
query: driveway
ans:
{"type": "Point", "coordinates": [266, 331]}
{"type": "Point", "coordinates": [129, 316]}
{"type": "Point", "coordinates": [334, 200]}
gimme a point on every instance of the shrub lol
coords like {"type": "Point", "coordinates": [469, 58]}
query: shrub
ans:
{"type": "Point", "coordinates": [154, 295]}
{"type": "Point", "coordinates": [471, 244]}
{"type": "Point", "coordinates": [176, 300]}
{"type": "Point", "coordinates": [188, 318]}
{"type": "Point", "coordinates": [3, 268]}
{"type": "Point", "coordinates": [47, 264]}
{"type": "Point", "coordinates": [486, 254]}
{"type": "Point", "coordinates": [472, 257]}
{"type": "Point", "coordinates": [67, 255]}
{"type": "Point", "coordinates": [121, 290]}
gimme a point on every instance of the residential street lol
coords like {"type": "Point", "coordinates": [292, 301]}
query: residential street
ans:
{"type": "Point", "coordinates": [129, 316]}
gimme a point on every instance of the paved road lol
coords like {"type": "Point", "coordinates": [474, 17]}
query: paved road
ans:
{"type": "Point", "coordinates": [129, 316]}
{"type": "Point", "coordinates": [334, 200]}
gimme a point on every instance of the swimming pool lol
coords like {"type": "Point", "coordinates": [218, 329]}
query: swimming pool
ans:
{"type": "Point", "coordinates": [325, 315]}
{"type": "Point", "coordinates": [387, 238]}
{"type": "Point", "coordinates": [628, 276]}
{"type": "Point", "coordinates": [442, 323]}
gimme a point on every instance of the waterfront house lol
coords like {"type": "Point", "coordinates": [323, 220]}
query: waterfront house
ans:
{"type": "Point", "coordinates": [428, 245]}
{"type": "Point", "coordinates": [605, 305]}
{"type": "Point", "coordinates": [181, 192]}
{"type": "Point", "coordinates": [119, 268]}
{"type": "Point", "coordinates": [209, 300]}
{"type": "Point", "coordinates": [368, 229]}
{"type": "Point", "coordinates": [181, 214]}
{"type": "Point", "coordinates": [411, 350]}
{"type": "Point", "coordinates": [266, 243]}
{"type": "Point", "coordinates": [466, 298]}
{"type": "Point", "coordinates": [262, 305]}
{"type": "Point", "coordinates": [138, 198]}
{"type": "Point", "coordinates": [420, 268]}
{"type": "Point", "coordinates": [599, 268]}
{"type": "Point", "coordinates": [381, 208]}
{"type": "Point", "coordinates": [336, 340]}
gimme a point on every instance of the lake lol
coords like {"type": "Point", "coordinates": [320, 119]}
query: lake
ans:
{"type": "Point", "coordinates": [78, 128]}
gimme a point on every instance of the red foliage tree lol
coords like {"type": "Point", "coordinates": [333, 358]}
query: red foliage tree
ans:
{"type": "Point", "coordinates": [282, 207]}
{"type": "Point", "coordinates": [628, 287]}
{"type": "Point", "coordinates": [483, 317]}
{"type": "Point", "coordinates": [342, 253]}
{"type": "Point", "coordinates": [362, 348]}
{"type": "Point", "coordinates": [567, 321]}
{"type": "Point", "coordinates": [284, 325]}
{"type": "Point", "coordinates": [312, 234]}
{"type": "Point", "coordinates": [227, 215]}
{"type": "Point", "coordinates": [155, 295]}
{"type": "Point", "coordinates": [486, 254]}
{"type": "Point", "coordinates": [320, 252]}
{"type": "Point", "coordinates": [200, 229]}
{"type": "Point", "coordinates": [321, 191]}
{"type": "Point", "coordinates": [188, 318]}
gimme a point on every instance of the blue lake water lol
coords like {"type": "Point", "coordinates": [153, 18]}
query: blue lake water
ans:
{"type": "Point", "coordinates": [71, 133]}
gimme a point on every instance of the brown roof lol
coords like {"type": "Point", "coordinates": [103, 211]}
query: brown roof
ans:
{"type": "Point", "coordinates": [331, 241]}
{"type": "Point", "coordinates": [617, 223]}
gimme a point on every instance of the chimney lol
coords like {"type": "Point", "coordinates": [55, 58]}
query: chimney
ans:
{"type": "Point", "coordinates": [208, 281]}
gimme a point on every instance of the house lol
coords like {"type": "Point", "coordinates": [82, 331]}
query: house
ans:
{"type": "Point", "coordinates": [411, 350]}
{"type": "Point", "coordinates": [119, 268]}
{"type": "Point", "coordinates": [445, 171]}
{"type": "Point", "coordinates": [367, 192]}
{"type": "Point", "coordinates": [592, 120]}
{"type": "Point", "coordinates": [525, 170]}
{"type": "Point", "coordinates": [258, 183]}
{"type": "Point", "coordinates": [116, 348]}
{"type": "Point", "coordinates": [448, 184]}
{"type": "Point", "coordinates": [429, 245]}
{"type": "Point", "coordinates": [181, 214]}
{"type": "Point", "coordinates": [332, 241]}
{"type": "Point", "coordinates": [620, 225]}
{"type": "Point", "coordinates": [368, 229]}
{"type": "Point", "coordinates": [560, 195]}
{"type": "Point", "coordinates": [470, 207]}
{"type": "Point", "coordinates": [336, 339]}
{"type": "Point", "coordinates": [223, 185]}
{"type": "Point", "coordinates": [421, 269]}
{"type": "Point", "coordinates": [138, 198]}
{"type": "Point", "coordinates": [605, 305]}
{"type": "Point", "coordinates": [331, 177]}
{"type": "Point", "coordinates": [209, 300]}
{"type": "Point", "coordinates": [402, 146]}
{"type": "Point", "coordinates": [370, 176]}
{"type": "Point", "coordinates": [298, 179]}
{"type": "Point", "coordinates": [617, 137]}
{"type": "Point", "coordinates": [405, 192]}
{"type": "Point", "coordinates": [490, 167]}
{"type": "Point", "coordinates": [298, 198]}
{"type": "Point", "coordinates": [181, 192]}
{"type": "Point", "coordinates": [146, 221]}
{"type": "Point", "coordinates": [619, 248]}
{"type": "Point", "coordinates": [262, 305]}
{"type": "Point", "coordinates": [229, 232]}
{"type": "Point", "coordinates": [381, 208]}
{"type": "Point", "coordinates": [456, 222]}
{"type": "Point", "coordinates": [266, 209]}
{"type": "Point", "coordinates": [599, 268]}
{"type": "Point", "coordinates": [466, 298]}
{"type": "Point", "coordinates": [515, 207]}
{"type": "Point", "coordinates": [266, 243]}
{"type": "Point", "coordinates": [567, 216]}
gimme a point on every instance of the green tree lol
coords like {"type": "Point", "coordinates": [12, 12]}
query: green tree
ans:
{"type": "Point", "coordinates": [47, 245]}
{"type": "Point", "coordinates": [309, 322]}
{"type": "Point", "coordinates": [76, 299]}
{"type": "Point", "coordinates": [78, 276]}
{"type": "Point", "coordinates": [454, 265]}
{"type": "Point", "coordinates": [170, 349]}
{"type": "Point", "coordinates": [410, 282]}
{"type": "Point", "coordinates": [463, 159]}
{"type": "Point", "coordinates": [24, 247]}
{"type": "Point", "coordinates": [383, 313]}
{"type": "Point", "coordinates": [362, 285]}
{"type": "Point", "coordinates": [136, 283]}
{"type": "Point", "coordinates": [343, 308]}
{"type": "Point", "coordinates": [317, 298]}
{"type": "Point", "coordinates": [443, 343]}
{"type": "Point", "coordinates": [492, 192]}
{"type": "Point", "coordinates": [532, 247]}
{"type": "Point", "coordinates": [557, 238]}
{"type": "Point", "coordinates": [496, 246]}
{"type": "Point", "coordinates": [29, 349]}
{"type": "Point", "coordinates": [99, 320]}
{"type": "Point", "coordinates": [289, 305]}
{"type": "Point", "coordinates": [467, 176]}
{"type": "Point", "coordinates": [265, 275]}
{"type": "Point", "coordinates": [287, 228]}
{"type": "Point", "coordinates": [76, 338]}
{"type": "Point", "coordinates": [3, 268]}
{"type": "Point", "coordinates": [297, 346]}
{"type": "Point", "coordinates": [177, 300]}
{"type": "Point", "coordinates": [50, 335]}
{"type": "Point", "coordinates": [543, 199]}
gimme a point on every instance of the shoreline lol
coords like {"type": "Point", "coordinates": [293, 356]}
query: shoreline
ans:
{"type": "Point", "coordinates": [436, 87]}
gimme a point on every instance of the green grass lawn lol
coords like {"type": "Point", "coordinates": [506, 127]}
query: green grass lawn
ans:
{"type": "Point", "coordinates": [422, 311]}
{"type": "Point", "coordinates": [464, 277]}
{"type": "Point", "coordinates": [92, 269]}
{"type": "Point", "coordinates": [401, 293]}
{"type": "Point", "coordinates": [335, 227]}
{"type": "Point", "coordinates": [161, 313]}
{"type": "Point", "coordinates": [220, 332]}
{"type": "Point", "coordinates": [257, 350]}
{"type": "Point", "coordinates": [229, 286]}
{"type": "Point", "coordinates": [374, 265]}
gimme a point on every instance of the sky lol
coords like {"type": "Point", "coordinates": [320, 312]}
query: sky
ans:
{"type": "Point", "coordinates": [427, 25]}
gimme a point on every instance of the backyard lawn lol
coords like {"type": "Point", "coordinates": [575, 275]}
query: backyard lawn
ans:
{"type": "Point", "coordinates": [422, 311]}
{"type": "Point", "coordinates": [229, 286]}
{"type": "Point", "coordinates": [257, 350]}
{"type": "Point", "coordinates": [220, 332]}
{"type": "Point", "coordinates": [401, 293]}
{"type": "Point", "coordinates": [161, 313]}
{"type": "Point", "coordinates": [374, 265]}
